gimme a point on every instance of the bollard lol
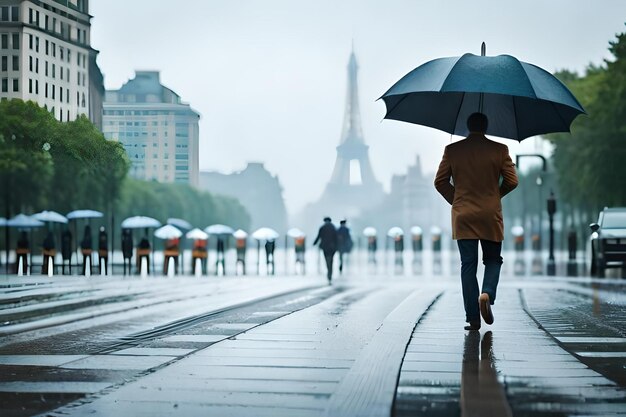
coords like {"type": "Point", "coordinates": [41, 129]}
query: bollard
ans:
{"type": "Point", "coordinates": [198, 268]}
{"type": "Point", "coordinates": [144, 267]}
{"type": "Point", "coordinates": [50, 267]}
{"type": "Point", "coordinates": [572, 265]}
{"type": "Point", "coordinates": [88, 267]}
{"type": "Point", "coordinates": [170, 268]}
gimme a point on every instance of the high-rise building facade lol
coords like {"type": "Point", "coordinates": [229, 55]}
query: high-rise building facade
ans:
{"type": "Point", "coordinates": [46, 57]}
{"type": "Point", "coordinates": [159, 132]}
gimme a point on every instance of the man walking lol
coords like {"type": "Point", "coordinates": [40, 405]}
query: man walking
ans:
{"type": "Point", "coordinates": [344, 243]}
{"type": "Point", "coordinates": [327, 236]}
{"type": "Point", "coordinates": [476, 166]}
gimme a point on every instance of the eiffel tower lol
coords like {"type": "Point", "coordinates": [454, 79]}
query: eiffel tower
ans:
{"type": "Point", "coordinates": [352, 187]}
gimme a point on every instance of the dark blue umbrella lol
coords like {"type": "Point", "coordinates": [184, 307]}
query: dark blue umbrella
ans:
{"type": "Point", "coordinates": [520, 99]}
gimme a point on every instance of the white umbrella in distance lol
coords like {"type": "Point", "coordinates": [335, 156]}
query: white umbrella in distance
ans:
{"type": "Point", "coordinates": [24, 221]}
{"type": "Point", "coordinates": [197, 234]}
{"type": "Point", "coordinates": [295, 233]}
{"type": "Point", "coordinates": [416, 230]}
{"type": "Point", "coordinates": [395, 232]}
{"type": "Point", "coordinates": [50, 216]}
{"type": "Point", "coordinates": [435, 230]}
{"type": "Point", "coordinates": [180, 223]}
{"type": "Point", "coordinates": [265, 233]}
{"type": "Point", "coordinates": [139, 222]}
{"type": "Point", "coordinates": [369, 231]}
{"type": "Point", "coordinates": [240, 234]}
{"type": "Point", "coordinates": [84, 214]}
{"type": "Point", "coordinates": [3, 221]}
{"type": "Point", "coordinates": [219, 229]}
{"type": "Point", "coordinates": [167, 232]}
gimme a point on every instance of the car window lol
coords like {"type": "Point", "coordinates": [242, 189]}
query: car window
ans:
{"type": "Point", "coordinates": [614, 220]}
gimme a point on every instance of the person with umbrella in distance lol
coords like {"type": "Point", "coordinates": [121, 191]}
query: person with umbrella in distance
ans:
{"type": "Point", "coordinates": [66, 250]}
{"type": "Point", "coordinates": [475, 166]}
{"type": "Point", "coordinates": [22, 251]}
{"type": "Point", "coordinates": [143, 252]}
{"type": "Point", "coordinates": [344, 243]}
{"type": "Point", "coordinates": [103, 251]}
{"type": "Point", "coordinates": [299, 246]}
{"type": "Point", "coordinates": [86, 247]}
{"type": "Point", "coordinates": [221, 257]}
{"type": "Point", "coordinates": [327, 238]}
{"type": "Point", "coordinates": [49, 252]}
{"type": "Point", "coordinates": [127, 249]}
{"type": "Point", "coordinates": [270, 245]}
{"type": "Point", "coordinates": [241, 243]}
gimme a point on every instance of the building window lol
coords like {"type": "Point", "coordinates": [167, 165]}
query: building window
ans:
{"type": "Point", "coordinates": [46, 91]}
{"type": "Point", "coordinates": [45, 66]}
{"type": "Point", "coordinates": [16, 63]}
{"type": "Point", "coordinates": [61, 72]}
{"type": "Point", "coordinates": [61, 53]}
{"type": "Point", "coordinates": [5, 61]}
{"type": "Point", "coordinates": [30, 63]}
{"type": "Point", "coordinates": [5, 41]}
{"type": "Point", "coordinates": [36, 43]}
{"type": "Point", "coordinates": [36, 86]}
{"type": "Point", "coordinates": [16, 85]}
{"type": "Point", "coordinates": [5, 14]}
{"type": "Point", "coordinates": [37, 65]}
{"type": "Point", "coordinates": [46, 22]}
{"type": "Point", "coordinates": [53, 70]}
{"type": "Point", "coordinates": [54, 49]}
{"type": "Point", "coordinates": [15, 14]}
{"type": "Point", "coordinates": [61, 94]}
{"type": "Point", "coordinates": [5, 85]}
{"type": "Point", "coordinates": [30, 42]}
{"type": "Point", "coordinates": [53, 91]}
{"type": "Point", "coordinates": [47, 47]}
{"type": "Point", "coordinates": [30, 86]}
{"type": "Point", "coordinates": [68, 75]}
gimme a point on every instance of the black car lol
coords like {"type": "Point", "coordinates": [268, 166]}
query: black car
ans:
{"type": "Point", "coordinates": [608, 240]}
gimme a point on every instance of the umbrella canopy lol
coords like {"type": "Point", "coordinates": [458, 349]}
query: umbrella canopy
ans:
{"type": "Point", "coordinates": [180, 223]}
{"type": "Point", "coordinates": [240, 234]}
{"type": "Point", "coordinates": [416, 230]}
{"type": "Point", "coordinates": [3, 221]}
{"type": "Point", "coordinates": [519, 99]}
{"type": "Point", "coordinates": [84, 214]}
{"type": "Point", "coordinates": [197, 234]}
{"type": "Point", "coordinates": [219, 229]}
{"type": "Point", "coordinates": [50, 216]}
{"type": "Point", "coordinates": [369, 231]}
{"type": "Point", "coordinates": [295, 233]}
{"type": "Point", "coordinates": [265, 233]}
{"type": "Point", "coordinates": [22, 220]}
{"type": "Point", "coordinates": [435, 230]}
{"type": "Point", "coordinates": [139, 222]}
{"type": "Point", "coordinates": [167, 232]}
{"type": "Point", "coordinates": [395, 232]}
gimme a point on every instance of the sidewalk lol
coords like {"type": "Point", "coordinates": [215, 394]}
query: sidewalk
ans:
{"type": "Point", "coordinates": [342, 357]}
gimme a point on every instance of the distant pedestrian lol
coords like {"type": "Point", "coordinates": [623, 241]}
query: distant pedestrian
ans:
{"type": "Point", "coordinates": [49, 252]}
{"type": "Point", "coordinates": [143, 252]}
{"type": "Point", "coordinates": [241, 246]}
{"type": "Point", "coordinates": [344, 243]}
{"type": "Point", "coordinates": [127, 249]}
{"type": "Point", "coordinates": [66, 251]}
{"type": "Point", "coordinates": [221, 257]}
{"type": "Point", "coordinates": [199, 252]}
{"type": "Point", "coordinates": [398, 247]}
{"type": "Point", "coordinates": [103, 251]}
{"type": "Point", "coordinates": [372, 246]}
{"type": "Point", "coordinates": [270, 245]}
{"type": "Point", "coordinates": [300, 248]}
{"type": "Point", "coordinates": [22, 251]}
{"type": "Point", "coordinates": [327, 238]}
{"type": "Point", "coordinates": [476, 165]}
{"type": "Point", "coordinates": [86, 247]}
{"type": "Point", "coordinates": [172, 251]}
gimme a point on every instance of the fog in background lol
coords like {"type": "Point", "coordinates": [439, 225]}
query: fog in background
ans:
{"type": "Point", "coordinates": [269, 77]}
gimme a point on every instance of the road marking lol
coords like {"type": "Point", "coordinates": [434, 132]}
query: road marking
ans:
{"type": "Point", "coordinates": [137, 351]}
{"type": "Point", "coordinates": [39, 360]}
{"type": "Point", "coordinates": [602, 354]}
{"type": "Point", "coordinates": [73, 387]}
{"type": "Point", "coordinates": [592, 339]}
{"type": "Point", "coordinates": [196, 338]}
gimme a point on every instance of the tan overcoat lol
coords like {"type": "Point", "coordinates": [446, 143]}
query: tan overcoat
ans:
{"type": "Point", "coordinates": [474, 174]}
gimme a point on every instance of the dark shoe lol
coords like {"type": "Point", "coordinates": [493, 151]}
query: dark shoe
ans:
{"type": "Point", "coordinates": [473, 325]}
{"type": "Point", "coordinates": [485, 308]}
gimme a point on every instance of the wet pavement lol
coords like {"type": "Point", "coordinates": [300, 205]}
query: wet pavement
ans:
{"type": "Point", "coordinates": [270, 346]}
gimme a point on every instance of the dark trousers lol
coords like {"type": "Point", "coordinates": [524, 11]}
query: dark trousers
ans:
{"type": "Point", "coordinates": [329, 256]}
{"type": "Point", "coordinates": [468, 248]}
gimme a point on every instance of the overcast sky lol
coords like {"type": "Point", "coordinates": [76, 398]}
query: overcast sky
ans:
{"type": "Point", "coordinates": [269, 76]}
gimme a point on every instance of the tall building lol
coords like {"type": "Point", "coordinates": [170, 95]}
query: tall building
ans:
{"type": "Point", "coordinates": [46, 56]}
{"type": "Point", "coordinates": [159, 132]}
{"type": "Point", "coordinates": [352, 188]}
{"type": "Point", "coordinates": [256, 189]}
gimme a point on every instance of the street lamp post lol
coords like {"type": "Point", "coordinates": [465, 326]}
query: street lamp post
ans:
{"type": "Point", "coordinates": [551, 211]}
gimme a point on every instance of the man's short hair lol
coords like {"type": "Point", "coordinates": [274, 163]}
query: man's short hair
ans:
{"type": "Point", "coordinates": [326, 219]}
{"type": "Point", "coordinates": [477, 122]}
